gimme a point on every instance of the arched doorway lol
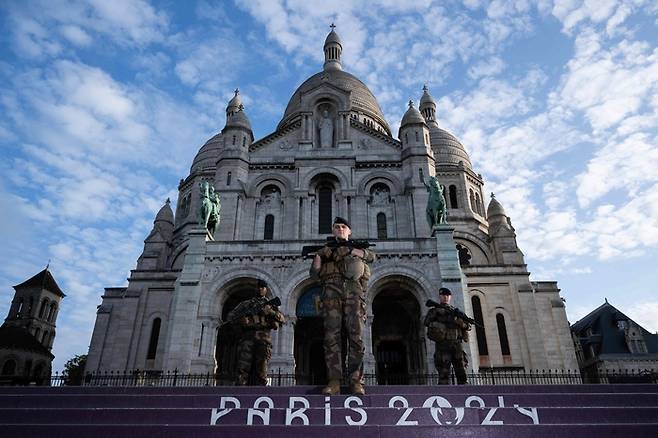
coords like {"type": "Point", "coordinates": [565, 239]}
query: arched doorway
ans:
{"type": "Point", "coordinates": [226, 349]}
{"type": "Point", "coordinates": [310, 366]}
{"type": "Point", "coordinates": [396, 340]}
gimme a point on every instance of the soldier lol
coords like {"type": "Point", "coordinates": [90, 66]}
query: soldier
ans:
{"type": "Point", "coordinates": [448, 330]}
{"type": "Point", "coordinates": [343, 272]}
{"type": "Point", "coordinates": [255, 345]}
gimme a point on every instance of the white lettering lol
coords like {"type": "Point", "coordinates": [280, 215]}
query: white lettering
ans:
{"type": "Point", "coordinates": [530, 412]}
{"type": "Point", "coordinates": [443, 403]}
{"type": "Point", "coordinates": [217, 414]}
{"type": "Point", "coordinates": [501, 401]}
{"type": "Point", "coordinates": [256, 412]}
{"type": "Point", "coordinates": [405, 404]}
{"type": "Point", "coordinates": [474, 398]}
{"type": "Point", "coordinates": [488, 419]}
{"type": "Point", "coordinates": [298, 413]}
{"type": "Point", "coordinates": [327, 411]}
{"type": "Point", "coordinates": [348, 405]}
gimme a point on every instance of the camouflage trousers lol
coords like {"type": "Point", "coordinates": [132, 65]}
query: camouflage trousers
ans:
{"type": "Point", "coordinates": [343, 304]}
{"type": "Point", "coordinates": [453, 354]}
{"type": "Point", "coordinates": [253, 358]}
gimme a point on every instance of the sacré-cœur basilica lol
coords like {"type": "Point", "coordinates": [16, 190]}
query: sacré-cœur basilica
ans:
{"type": "Point", "coordinates": [332, 154]}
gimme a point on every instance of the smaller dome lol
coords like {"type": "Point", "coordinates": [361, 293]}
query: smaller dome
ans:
{"type": "Point", "coordinates": [412, 116]}
{"type": "Point", "coordinates": [165, 214]}
{"type": "Point", "coordinates": [235, 102]}
{"type": "Point", "coordinates": [495, 208]}
{"type": "Point", "coordinates": [238, 120]}
{"type": "Point", "coordinates": [427, 99]}
{"type": "Point", "coordinates": [333, 38]}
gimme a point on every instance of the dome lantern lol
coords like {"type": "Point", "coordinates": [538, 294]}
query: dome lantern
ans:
{"type": "Point", "coordinates": [332, 50]}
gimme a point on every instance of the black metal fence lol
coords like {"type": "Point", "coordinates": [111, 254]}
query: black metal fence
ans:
{"type": "Point", "coordinates": [279, 378]}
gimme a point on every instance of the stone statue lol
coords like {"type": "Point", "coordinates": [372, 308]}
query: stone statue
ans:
{"type": "Point", "coordinates": [436, 203]}
{"type": "Point", "coordinates": [210, 207]}
{"type": "Point", "coordinates": [326, 130]}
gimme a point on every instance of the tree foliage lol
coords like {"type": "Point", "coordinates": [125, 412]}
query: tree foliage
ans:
{"type": "Point", "coordinates": [74, 370]}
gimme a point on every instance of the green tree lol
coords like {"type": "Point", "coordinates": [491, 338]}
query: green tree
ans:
{"type": "Point", "coordinates": [74, 370]}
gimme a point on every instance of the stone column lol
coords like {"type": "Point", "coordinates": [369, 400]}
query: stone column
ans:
{"type": "Point", "coordinates": [283, 343]}
{"type": "Point", "coordinates": [369, 362]}
{"type": "Point", "coordinates": [453, 278]}
{"type": "Point", "coordinates": [183, 323]}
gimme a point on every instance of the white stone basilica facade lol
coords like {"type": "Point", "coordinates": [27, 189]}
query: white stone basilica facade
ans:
{"type": "Point", "coordinates": [332, 154]}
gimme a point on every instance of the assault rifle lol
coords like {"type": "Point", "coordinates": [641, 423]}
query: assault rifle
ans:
{"type": "Point", "coordinates": [332, 242]}
{"type": "Point", "coordinates": [247, 308]}
{"type": "Point", "coordinates": [455, 311]}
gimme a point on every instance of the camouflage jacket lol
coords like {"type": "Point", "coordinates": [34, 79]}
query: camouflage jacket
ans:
{"type": "Point", "coordinates": [258, 325]}
{"type": "Point", "coordinates": [339, 264]}
{"type": "Point", "coordinates": [445, 327]}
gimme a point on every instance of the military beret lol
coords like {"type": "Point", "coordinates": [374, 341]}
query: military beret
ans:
{"type": "Point", "coordinates": [444, 291]}
{"type": "Point", "coordinates": [340, 220]}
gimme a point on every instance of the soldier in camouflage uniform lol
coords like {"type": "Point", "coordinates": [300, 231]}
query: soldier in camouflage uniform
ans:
{"type": "Point", "coordinates": [343, 272]}
{"type": "Point", "coordinates": [255, 345]}
{"type": "Point", "coordinates": [449, 332]}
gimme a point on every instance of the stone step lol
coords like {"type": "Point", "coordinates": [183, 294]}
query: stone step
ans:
{"type": "Point", "coordinates": [177, 431]}
{"type": "Point", "coordinates": [305, 389]}
{"type": "Point", "coordinates": [334, 416]}
{"type": "Point", "coordinates": [282, 401]}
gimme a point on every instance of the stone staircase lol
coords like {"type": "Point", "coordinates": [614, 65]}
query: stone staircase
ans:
{"type": "Point", "coordinates": [535, 411]}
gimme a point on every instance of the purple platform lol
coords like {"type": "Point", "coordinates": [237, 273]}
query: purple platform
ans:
{"type": "Point", "coordinates": [535, 411]}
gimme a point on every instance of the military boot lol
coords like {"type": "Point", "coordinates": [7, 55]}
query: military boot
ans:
{"type": "Point", "coordinates": [332, 388]}
{"type": "Point", "coordinates": [356, 388]}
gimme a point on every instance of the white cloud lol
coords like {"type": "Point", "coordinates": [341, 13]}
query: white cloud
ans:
{"type": "Point", "coordinates": [645, 314]}
{"type": "Point", "coordinates": [124, 22]}
{"type": "Point", "coordinates": [76, 35]}
{"type": "Point", "coordinates": [488, 67]}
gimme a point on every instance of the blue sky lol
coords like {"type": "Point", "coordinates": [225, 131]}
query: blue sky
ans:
{"type": "Point", "coordinates": [105, 104]}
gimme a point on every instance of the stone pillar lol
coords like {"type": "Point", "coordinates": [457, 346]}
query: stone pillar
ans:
{"type": "Point", "coordinates": [453, 278]}
{"type": "Point", "coordinates": [283, 345]}
{"type": "Point", "coordinates": [369, 362]}
{"type": "Point", "coordinates": [183, 322]}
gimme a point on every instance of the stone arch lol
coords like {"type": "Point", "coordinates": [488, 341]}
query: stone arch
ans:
{"type": "Point", "coordinates": [479, 250]}
{"type": "Point", "coordinates": [420, 286]}
{"type": "Point", "coordinates": [373, 178]}
{"type": "Point", "coordinates": [178, 258]}
{"type": "Point", "coordinates": [257, 185]}
{"type": "Point", "coordinates": [312, 179]}
{"type": "Point", "coordinates": [397, 304]}
{"type": "Point", "coordinates": [221, 287]}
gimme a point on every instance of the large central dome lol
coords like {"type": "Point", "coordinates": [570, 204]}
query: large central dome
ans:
{"type": "Point", "coordinates": [361, 98]}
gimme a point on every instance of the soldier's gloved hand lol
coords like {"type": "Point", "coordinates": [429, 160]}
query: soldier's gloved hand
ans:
{"type": "Point", "coordinates": [268, 311]}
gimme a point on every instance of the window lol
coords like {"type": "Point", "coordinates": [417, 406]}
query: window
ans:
{"type": "Point", "coordinates": [244, 141]}
{"type": "Point", "coordinates": [269, 227]}
{"type": "Point", "coordinates": [44, 306]}
{"type": "Point", "coordinates": [325, 201]}
{"type": "Point", "coordinates": [416, 132]}
{"type": "Point", "coordinates": [228, 179]}
{"type": "Point", "coordinates": [153, 341]}
{"type": "Point", "coordinates": [234, 140]}
{"type": "Point", "coordinates": [452, 190]}
{"type": "Point", "coordinates": [502, 334]}
{"type": "Point", "coordinates": [478, 204]}
{"type": "Point", "coordinates": [381, 226]}
{"type": "Point", "coordinates": [51, 313]}
{"type": "Point", "coordinates": [479, 330]}
{"type": "Point", "coordinates": [471, 197]}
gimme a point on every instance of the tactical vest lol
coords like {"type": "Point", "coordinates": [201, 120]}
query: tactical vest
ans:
{"type": "Point", "coordinates": [443, 327]}
{"type": "Point", "coordinates": [339, 261]}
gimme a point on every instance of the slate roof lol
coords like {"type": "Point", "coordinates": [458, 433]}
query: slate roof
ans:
{"type": "Point", "coordinates": [43, 279]}
{"type": "Point", "coordinates": [605, 332]}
